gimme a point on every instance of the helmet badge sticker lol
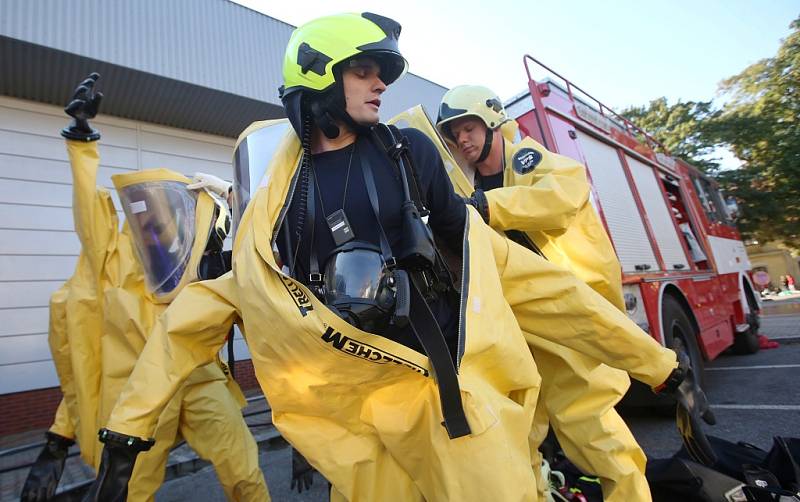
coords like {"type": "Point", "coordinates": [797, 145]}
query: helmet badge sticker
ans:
{"type": "Point", "coordinates": [526, 160]}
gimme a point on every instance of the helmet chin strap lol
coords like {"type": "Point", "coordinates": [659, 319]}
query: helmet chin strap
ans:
{"type": "Point", "coordinates": [329, 110]}
{"type": "Point", "coordinates": [487, 146]}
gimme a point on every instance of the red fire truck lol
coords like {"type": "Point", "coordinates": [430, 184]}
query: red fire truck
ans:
{"type": "Point", "coordinates": [685, 270]}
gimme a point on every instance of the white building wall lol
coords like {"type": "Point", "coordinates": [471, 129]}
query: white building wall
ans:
{"type": "Point", "coordinates": [38, 248]}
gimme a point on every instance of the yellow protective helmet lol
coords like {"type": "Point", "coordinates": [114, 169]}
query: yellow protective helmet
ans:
{"type": "Point", "coordinates": [470, 101]}
{"type": "Point", "coordinates": [317, 47]}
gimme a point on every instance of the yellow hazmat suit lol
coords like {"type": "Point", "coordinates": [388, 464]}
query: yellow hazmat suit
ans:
{"type": "Point", "coordinates": [550, 203]}
{"type": "Point", "coordinates": [207, 409]}
{"type": "Point", "coordinates": [364, 410]}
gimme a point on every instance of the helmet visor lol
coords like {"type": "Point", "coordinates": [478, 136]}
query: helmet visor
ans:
{"type": "Point", "coordinates": [353, 275]}
{"type": "Point", "coordinates": [392, 65]}
{"type": "Point", "coordinates": [161, 216]}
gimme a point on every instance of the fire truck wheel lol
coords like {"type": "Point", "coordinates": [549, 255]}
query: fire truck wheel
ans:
{"type": "Point", "coordinates": [681, 336]}
{"type": "Point", "coordinates": [747, 342]}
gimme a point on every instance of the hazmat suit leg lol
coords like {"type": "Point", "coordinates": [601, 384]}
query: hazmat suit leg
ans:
{"type": "Point", "coordinates": [212, 423]}
{"type": "Point", "coordinates": [578, 398]}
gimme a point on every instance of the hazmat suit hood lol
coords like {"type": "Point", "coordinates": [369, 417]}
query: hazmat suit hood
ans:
{"type": "Point", "coordinates": [170, 226]}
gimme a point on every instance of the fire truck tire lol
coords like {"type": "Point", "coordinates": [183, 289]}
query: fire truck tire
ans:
{"type": "Point", "coordinates": [681, 336]}
{"type": "Point", "coordinates": [747, 342]}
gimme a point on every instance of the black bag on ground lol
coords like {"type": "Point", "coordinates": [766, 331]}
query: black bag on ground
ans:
{"type": "Point", "coordinates": [731, 457]}
{"type": "Point", "coordinates": [742, 472]}
{"type": "Point", "coordinates": [682, 479]}
{"type": "Point", "coordinates": [783, 461]}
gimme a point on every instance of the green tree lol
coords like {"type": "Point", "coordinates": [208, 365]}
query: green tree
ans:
{"type": "Point", "coordinates": [683, 128]}
{"type": "Point", "coordinates": [760, 123]}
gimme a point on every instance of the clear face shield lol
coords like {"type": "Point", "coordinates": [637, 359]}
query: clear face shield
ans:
{"type": "Point", "coordinates": [161, 216]}
{"type": "Point", "coordinates": [251, 162]}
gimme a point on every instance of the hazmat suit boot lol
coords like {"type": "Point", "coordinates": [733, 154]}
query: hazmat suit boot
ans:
{"type": "Point", "coordinates": [364, 410]}
{"type": "Point", "coordinates": [129, 313]}
{"type": "Point", "coordinates": [550, 202]}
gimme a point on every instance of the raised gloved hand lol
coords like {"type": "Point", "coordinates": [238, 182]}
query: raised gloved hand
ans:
{"type": "Point", "coordinates": [47, 469]}
{"type": "Point", "coordinates": [116, 466]}
{"type": "Point", "coordinates": [211, 183]}
{"type": "Point", "coordinates": [479, 202]}
{"type": "Point", "coordinates": [83, 106]}
{"type": "Point", "coordinates": [692, 406]}
{"type": "Point", "coordinates": [302, 472]}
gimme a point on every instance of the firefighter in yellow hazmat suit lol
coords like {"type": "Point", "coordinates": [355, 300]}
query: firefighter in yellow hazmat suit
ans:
{"type": "Point", "coordinates": [542, 200]}
{"type": "Point", "coordinates": [170, 234]}
{"type": "Point", "coordinates": [375, 416]}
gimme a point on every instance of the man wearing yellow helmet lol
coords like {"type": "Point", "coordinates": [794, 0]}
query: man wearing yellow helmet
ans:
{"type": "Point", "coordinates": [541, 200]}
{"type": "Point", "coordinates": [378, 369]}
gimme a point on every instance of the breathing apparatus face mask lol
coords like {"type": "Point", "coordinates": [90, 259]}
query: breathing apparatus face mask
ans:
{"type": "Point", "coordinates": [360, 287]}
{"type": "Point", "coordinates": [161, 216]}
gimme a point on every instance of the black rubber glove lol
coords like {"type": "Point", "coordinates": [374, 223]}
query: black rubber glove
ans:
{"type": "Point", "coordinates": [302, 472]}
{"type": "Point", "coordinates": [116, 466]}
{"type": "Point", "coordinates": [47, 469]}
{"type": "Point", "coordinates": [692, 406]}
{"type": "Point", "coordinates": [83, 106]}
{"type": "Point", "coordinates": [479, 202]}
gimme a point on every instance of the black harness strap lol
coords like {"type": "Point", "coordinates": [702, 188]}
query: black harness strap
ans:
{"type": "Point", "coordinates": [427, 331]}
{"type": "Point", "coordinates": [372, 192]}
{"type": "Point", "coordinates": [387, 136]}
{"type": "Point", "coordinates": [523, 240]}
{"type": "Point", "coordinates": [314, 275]}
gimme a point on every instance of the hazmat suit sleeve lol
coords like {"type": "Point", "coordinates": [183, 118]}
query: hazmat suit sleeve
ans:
{"type": "Point", "coordinates": [550, 302]}
{"type": "Point", "coordinates": [62, 424]}
{"type": "Point", "coordinates": [187, 335]}
{"type": "Point", "coordinates": [546, 199]}
{"type": "Point", "coordinates": [95, 223]}
{"type": "Point", "coordinates": [59, 343]}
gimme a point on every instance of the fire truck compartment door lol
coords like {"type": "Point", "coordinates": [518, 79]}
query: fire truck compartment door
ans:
{"type": "Point", "coordinates": [619, 207]}
{"type": "Point", "coordinates": [659, 215]}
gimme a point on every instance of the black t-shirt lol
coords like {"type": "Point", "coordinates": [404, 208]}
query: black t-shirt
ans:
{"type": "Point", "coordinates": [490, 182]}
{"type": "Point", "coordinates": [447, 216]}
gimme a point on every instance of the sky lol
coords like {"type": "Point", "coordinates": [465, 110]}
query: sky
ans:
{"type": "Point", "coordinates": [622, 52]}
